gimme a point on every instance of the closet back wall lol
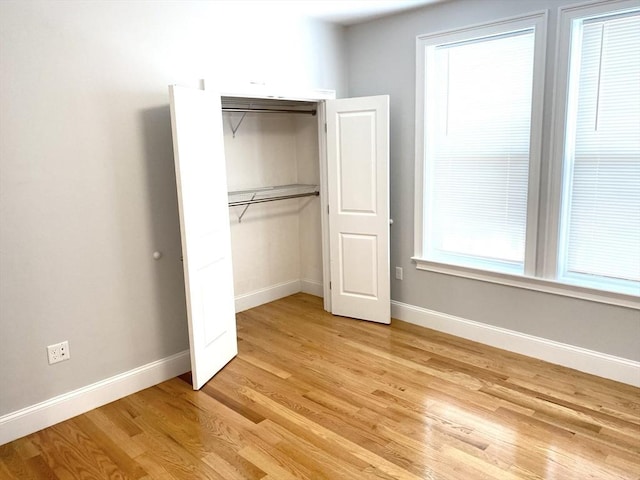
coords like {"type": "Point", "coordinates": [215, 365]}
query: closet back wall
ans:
{"type": "Point", "coordinates": [87, 184]}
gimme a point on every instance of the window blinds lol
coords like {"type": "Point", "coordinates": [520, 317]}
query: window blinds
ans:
{"type": "Point", "coordinates": [477, 151]}
{"type": "Point", "coordinates": [600, 230]}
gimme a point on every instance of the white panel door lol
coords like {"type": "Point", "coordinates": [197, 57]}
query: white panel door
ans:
{"type": "Point", "coordinates": [201, 180]}
{"type": "Point", "coordinates": [358, 187]}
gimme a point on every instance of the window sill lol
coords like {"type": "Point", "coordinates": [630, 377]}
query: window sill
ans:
{"type": "Point", "coordinates": [530, 283]}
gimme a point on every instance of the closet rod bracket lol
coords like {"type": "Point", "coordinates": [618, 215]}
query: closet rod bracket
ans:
{"type": "Point", "coordinates": [235, 129]}
{"type": "Point", "coordinates": [246, 206]}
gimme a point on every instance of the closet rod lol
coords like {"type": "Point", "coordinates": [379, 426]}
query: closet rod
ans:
{"type": "Point", "coordinates": [271, 199]}
{"type": "Point", "coordinates": [267, 110]}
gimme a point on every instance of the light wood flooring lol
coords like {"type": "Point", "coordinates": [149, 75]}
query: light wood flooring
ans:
{"type": "Point", "coordinates": [319, 397]}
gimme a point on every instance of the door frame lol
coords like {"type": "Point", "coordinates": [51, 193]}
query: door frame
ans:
{"type": "Point", "coordinates": [324, 199]}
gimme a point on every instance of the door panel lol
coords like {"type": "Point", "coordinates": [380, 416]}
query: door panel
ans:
{"type": "Point", "coordinates": [359, 265]}
{"type": "Point", "coordinates": [356, 159]}
{"type": "Point", "coordinates": [204, 224]}
{"type": "Point", "coordinates": [358, 187]}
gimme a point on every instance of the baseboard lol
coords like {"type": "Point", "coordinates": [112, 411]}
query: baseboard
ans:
{"type": "Point", "coordinates": [582, 359]}
{"type": "Point", "coordinates": [312, 287]}
{"type": "Point", "coordinates": [266, 295]}
{"type": "Point", "coordinates": [57, 409]}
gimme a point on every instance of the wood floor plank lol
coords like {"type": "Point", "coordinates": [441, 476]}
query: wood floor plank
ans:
{"type": "Point", "coordinates": [106, 423]}
{"type": "Point", "coordinates": [25, 448]}
{"type": "Point", "coordinates": [124, 462]}
{"type": "Point", "coordinates": [72, 453]}
{"type": "Point", "coordinates": [14, 466]}
{"type": "Point", "coordinates": [152, 465]}
{"type": "Point", "coordinates": [313, 396]}
{"type": "Point", "coordinates": [353, 448]}
{"type": "Point", "coordinates": [313, 457]}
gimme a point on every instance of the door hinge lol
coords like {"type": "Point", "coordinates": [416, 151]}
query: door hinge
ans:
{"type": "Point", "coordinates": [329, 285]}
{"type": "Point", "coordinates": [327, 209]}
{"type": "Point", "coordinates": [325, 128]}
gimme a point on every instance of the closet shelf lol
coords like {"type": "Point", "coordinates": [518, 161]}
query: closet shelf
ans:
{"type": "Point", "coordinates": [270, 194]}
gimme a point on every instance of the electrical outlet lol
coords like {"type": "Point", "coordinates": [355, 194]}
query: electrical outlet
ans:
{"type": "Point", "coordinates": [58, 352]}
{"type": "Point", "coordinates": [398, 273]}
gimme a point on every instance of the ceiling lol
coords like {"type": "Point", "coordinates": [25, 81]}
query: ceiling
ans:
{"type": "Point", "coordinates": [348, 12]}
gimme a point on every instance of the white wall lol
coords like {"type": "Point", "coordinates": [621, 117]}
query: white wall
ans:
{"type": "Point", "coordinates": [381, 60]}
{"type": "Point", "coordinates": [310, 229]}
{"type": "Point", "coordinates": [87, 188]}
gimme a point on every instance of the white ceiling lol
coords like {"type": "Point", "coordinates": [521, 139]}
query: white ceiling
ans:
{"type": "Point", "coordinates": [347, 12]}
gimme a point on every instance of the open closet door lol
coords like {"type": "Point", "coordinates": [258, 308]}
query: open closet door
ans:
{"type": "Point", "coordinates": [358, 187]}
{"type": "Point", "coordinates": [196, 121]}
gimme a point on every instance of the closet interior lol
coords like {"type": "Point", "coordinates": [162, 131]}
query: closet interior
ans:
{"type": "Point", "coordinates": [273, 178]}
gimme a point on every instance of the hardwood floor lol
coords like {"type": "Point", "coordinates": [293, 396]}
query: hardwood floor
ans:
{"type": "Point", "coordinates": [319, 397]}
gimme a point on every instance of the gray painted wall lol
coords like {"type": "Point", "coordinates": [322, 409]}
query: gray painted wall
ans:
{"type": "Point", "coordinates": [381, 60]}
{"type": "Point", "coordinates": [87, 185]}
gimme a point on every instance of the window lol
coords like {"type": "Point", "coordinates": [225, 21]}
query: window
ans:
{"type": "Point", "coordinates": [479, 124]}
{"type": "Point", "coordinates": [480, 90]}
{"type": "Point", "coordinates": [599, 228]}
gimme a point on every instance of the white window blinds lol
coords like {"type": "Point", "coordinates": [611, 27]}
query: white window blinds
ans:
{"type": "Point", "coordinates": [600, 222]}
{"type": "Point", "coordinates": [478, 123]}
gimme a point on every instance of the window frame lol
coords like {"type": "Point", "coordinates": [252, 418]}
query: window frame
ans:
{"type": "Point", "coordinates": [542, 222]}
{"type": "Point", "coordinates": [536, 21]}
{"type": "Point", "coordinates": [557, 178]}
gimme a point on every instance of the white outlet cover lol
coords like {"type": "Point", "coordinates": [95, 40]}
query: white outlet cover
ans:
{"type": "Point", "coordinates": [399, 273]}
{"type": "Point", "coordinates": [58, 352]}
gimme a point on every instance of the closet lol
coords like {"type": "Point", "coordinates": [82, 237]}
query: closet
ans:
{"type": "Point", "coordinates": [278, 192]}
{"type": "Point", "coordinates": [273, 177]}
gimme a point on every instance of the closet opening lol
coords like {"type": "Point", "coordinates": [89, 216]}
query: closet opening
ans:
{"type": "Point", "coordinates": [272, 157]}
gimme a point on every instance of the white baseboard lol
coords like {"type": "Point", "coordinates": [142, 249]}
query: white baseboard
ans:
{"type": "Point", "coordinates": [57, 409]}
{"type": "Point", "coordinates": [582, 359]}
{"type": "Point", "coordinates": [266, 295]}
{"type": "Point", "coordinates": [312, 287]}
